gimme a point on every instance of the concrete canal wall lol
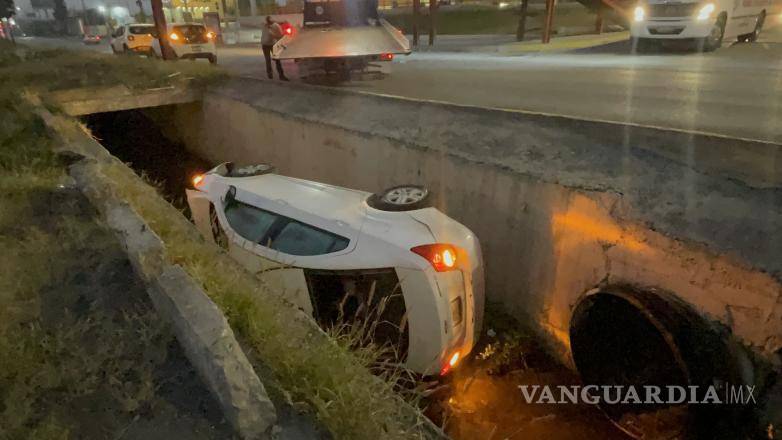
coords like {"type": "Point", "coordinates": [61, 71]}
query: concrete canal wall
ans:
{"type": "Point", "coordinates": [563, 208]}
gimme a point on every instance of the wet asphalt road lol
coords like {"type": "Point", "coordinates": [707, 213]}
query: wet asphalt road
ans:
{"type": "Point", "coordinates": [735, 91]}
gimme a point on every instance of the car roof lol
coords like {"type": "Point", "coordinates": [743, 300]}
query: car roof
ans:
{"type": "Point", "coordinates": [329, 202]}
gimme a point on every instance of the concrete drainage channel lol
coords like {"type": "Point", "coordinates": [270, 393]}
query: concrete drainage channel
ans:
{"type": "Point", "coordinates": [610, 242]}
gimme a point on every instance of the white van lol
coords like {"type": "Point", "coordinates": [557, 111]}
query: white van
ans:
{"type": "Point", "coordinates": [188, 41]}
{"type": "Point", "coordinates": [710, 21]}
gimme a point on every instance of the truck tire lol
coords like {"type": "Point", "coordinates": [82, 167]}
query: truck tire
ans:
{"type": "Point", "coordinates": [401, 198]}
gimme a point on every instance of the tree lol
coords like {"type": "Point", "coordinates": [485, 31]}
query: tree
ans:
{"type": "Point", "coordinates": [60, 14]}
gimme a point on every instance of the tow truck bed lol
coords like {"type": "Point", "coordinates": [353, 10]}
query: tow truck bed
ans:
{"type": "Point", "coordinates": [341, 42]}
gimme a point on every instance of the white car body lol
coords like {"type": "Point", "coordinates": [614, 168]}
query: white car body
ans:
{"type": "Point", "coordinates": [133, 38]}
{"type": "Point", "coordinates": [679, 20]}
{"type": "Point", "coordinates": [188, 41]}
{"type": "Point", "coordinates": [442, 310]}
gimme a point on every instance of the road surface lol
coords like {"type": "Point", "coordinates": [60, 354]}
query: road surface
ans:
{"type": "Point", "coordinates": [735, 91]}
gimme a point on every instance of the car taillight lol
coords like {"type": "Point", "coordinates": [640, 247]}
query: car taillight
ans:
{"type": "Point", "coordinates": [441, 256]}
{"type": "Point", "coordinates": [197, 180]}
{"type": "Point", "coordinates": [210, 35]}
{"type": "Point", "coordinates": [173, 36]}
{"type": "Point", "coordinates": [448, 366]}
{"type": "Point", "coordinates": [288, 30]}
{"type": "Point", "coordinates": [386, 56]}
{"type": "Point", "coordinates": [131, 38]}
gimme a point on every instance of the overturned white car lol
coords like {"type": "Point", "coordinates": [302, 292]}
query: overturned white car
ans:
{"type": "Point", "coordinates": [339, 253]}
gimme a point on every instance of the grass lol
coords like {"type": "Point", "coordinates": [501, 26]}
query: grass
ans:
{"type": "Point", "coordinates": [308, 365]}
{"type": "Point", "coordinates": [43, 70]}
{"type": "Point", "coordinates": [48, 365]}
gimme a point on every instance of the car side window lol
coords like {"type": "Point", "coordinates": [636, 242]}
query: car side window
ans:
{"type": "Point", "coordinates": [249, 222]}
{"type": "Point", "coordinates": [296, 238]}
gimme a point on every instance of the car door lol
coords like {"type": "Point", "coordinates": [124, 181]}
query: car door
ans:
{"type": "Point", "coordinates": [245, 227]}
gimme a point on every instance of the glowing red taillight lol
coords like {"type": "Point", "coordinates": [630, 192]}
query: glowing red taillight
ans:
{"type": "Point", "coordinates": [386, 56]}
{"type": "Point", "coordinates": [441, 256]}
{"type": "Point", "coordinates": [448, 366]}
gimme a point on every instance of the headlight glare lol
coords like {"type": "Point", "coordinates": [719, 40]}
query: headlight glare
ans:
{"type": "Point", "coordinates": [705, 12]}
{"type": "Point", "coordinates": [639, 13]}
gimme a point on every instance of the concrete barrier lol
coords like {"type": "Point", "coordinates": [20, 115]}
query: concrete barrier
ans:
{"type": "Point", "coordinates": [561, 206]}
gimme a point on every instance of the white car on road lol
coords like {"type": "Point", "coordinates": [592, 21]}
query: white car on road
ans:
{"type": "Point", "coordinates": [343, 255]}
{"type": "Point", "coordinates": [189, 41]}
{"type": "Point", "coordinates": [710, 21]}
{"type": "Point", "coordinates": [133, 38]}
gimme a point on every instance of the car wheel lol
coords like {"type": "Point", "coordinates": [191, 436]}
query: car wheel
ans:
{"type": "Point", "coordinates": [213, 59]}
{"type": "Point", "coordinates": [218, 234]}
{"type": "Point", "coordinates": [401, 198]}
{"type": "Point", "coordinates": [714, 40]}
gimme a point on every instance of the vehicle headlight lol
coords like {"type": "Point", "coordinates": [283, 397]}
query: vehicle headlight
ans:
{"type": "Point", "coordinates": [639, 13]}
{"type": "Point", "coordinates": [705, 12]}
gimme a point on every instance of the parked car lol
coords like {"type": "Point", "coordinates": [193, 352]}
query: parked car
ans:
{"type": "Point", "coordinates": [91, 39]}
{"type": "Point", "coordinates": [188, 41]}
{"type": "Point", "coordinates": [133, 38]}
{"type": "Point", "coordinates": [345, 256]}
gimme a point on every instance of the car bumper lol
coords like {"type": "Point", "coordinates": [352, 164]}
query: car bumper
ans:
{"type": "Point", "coordinates": [141, 49]}
{"type": "Point", "coordinates": [671, 29]}
{"type": "Point", "coordinates": [442, 315]}
{"type": "Point", "coordinates": [206, 50]}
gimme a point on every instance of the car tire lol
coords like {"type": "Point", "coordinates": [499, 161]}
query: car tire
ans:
{"type": "Point", "coordinates": [714, 40]}
{"type": "Point", "coordinates": [213, 59]}
{"type": "Point", "coordinates": [401, 198]}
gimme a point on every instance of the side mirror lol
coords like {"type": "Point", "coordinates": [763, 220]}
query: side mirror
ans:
{"type": "Point", "coordinates": [230, 195]}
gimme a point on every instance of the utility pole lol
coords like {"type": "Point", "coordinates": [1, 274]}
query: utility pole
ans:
{"type": "Point", "coordinates": [549, 22]}
{"type": "Point", "coordinates": [522, 28]}
{"type": "Point", "coordinates": [416, 17]}
{"type": "Point", "coordinates": [432, 20]}
{"type": "Point", "coordinates": [599, 19]}
{"type": "Point", "coordinates": [160, 26]}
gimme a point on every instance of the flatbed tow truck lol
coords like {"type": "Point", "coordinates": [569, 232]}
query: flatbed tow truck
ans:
{"type": "Point", "coordinates": [341, 37]}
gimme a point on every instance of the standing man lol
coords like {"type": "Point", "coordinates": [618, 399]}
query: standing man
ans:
{"type": "Point", "coordinates": [270, 33]}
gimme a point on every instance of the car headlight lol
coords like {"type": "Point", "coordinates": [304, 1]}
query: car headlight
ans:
{"type": "Point", "coordinates": [639, 13]}
{"type": "Point", "coordinates": [705, 12]}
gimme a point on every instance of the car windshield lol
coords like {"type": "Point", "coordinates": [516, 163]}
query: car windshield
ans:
{"type": "Point", "coordinates": [141, 30]}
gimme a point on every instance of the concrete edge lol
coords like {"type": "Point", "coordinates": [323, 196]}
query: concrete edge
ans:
{"type": "Point", "coordinates": [200, 327]}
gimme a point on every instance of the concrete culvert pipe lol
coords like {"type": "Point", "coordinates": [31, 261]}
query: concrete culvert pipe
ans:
{"type": "Point", "coordinates": [644, 340]}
